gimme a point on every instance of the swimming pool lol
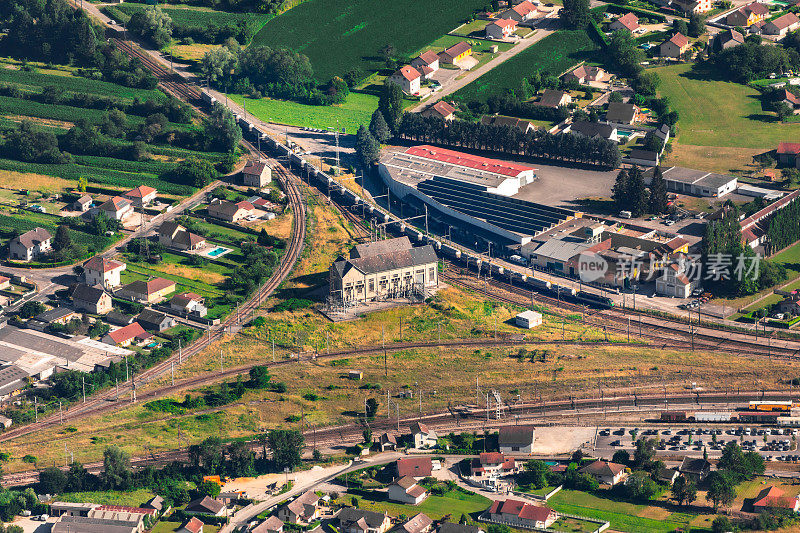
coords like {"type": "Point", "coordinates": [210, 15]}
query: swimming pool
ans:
{"type": "Point", "coordinates": [218, 251]}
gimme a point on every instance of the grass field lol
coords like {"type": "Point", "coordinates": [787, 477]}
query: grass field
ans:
{"type": "Point", "coordinates": [353, 113]}
{"type": "Point", "coordinates": [550, 56]}
{"type": "Point", "coordinates": [719, 114]}
{"type": "Point", "coordinates": [454, 503]}
{"type": "Point", "coordinates": [340, 35]}
{"type": "Point", "coordinates": [133, 498]}
{"type": "Point", "coordinates": [28, 220]}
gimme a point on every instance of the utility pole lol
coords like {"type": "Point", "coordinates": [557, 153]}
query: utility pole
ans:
{"type": "Point", "coordinates": [36, 409]}
{"type": "Point", "coordinates": [83, 388]}
{"type": "Point", "coordinates": [60, 413]}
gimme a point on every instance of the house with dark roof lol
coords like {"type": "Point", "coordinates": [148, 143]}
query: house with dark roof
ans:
{"type": "Point", "coordinates": [90, 299]}
{"type": "Point", "coordinates": [441, 110]}
{"type": "Point", "coordinates": [133, 333]}
{"type": "Point", "coordinates": [85, 524]}
{"type": "Point", "coordinates": [118, 318]}
{"type": "Point", "coordinates": [695, 469]}
{"type": "Point", "coordinates": [30, 245]}
{"type": "Point", "coordinates": [13, 380]}
{"type": "Point", "coordinates": [621, 113]}
{"type": "Point", "coordinates": [153, 320]}
{"type": "Point", "coordinates": [456, 53]}
{"type": "Point", "coordinates": [173, 235]}
{"type": "Point", "coordinates": [517, 513]}
{"type": "Point", "coordinates": [627, 22]}
{"type": "Point", "coordinates": [675, 46]}
{"type": "Point", "coordinates": [387, 441]}
{"type": "Point", "coordinates": [594, 129]}
{"type": "Point", "coordinates": [103, 272]}
{"type": "Point", "coordinates": [781, 25]}
{"type": "Point", "coordinates": [424, 437]}
{"type": "Point", "coordinates": [351, 520]}
{"type": "Point", "coordinates": [605, 472]}
{"type": "Point", "coordinates": [188, 303]}
{"type": "Point", "coordinates": [747, 15]}
{"type": "Point", "coordinates": [645, 158]}
{"type": "Point", "coordinates": [553, 98]}
{"type": "Point", "coordinates": [667, 475]}
{"type": "Point", "coordinates": [381, 272]}
{"type": "Point", "coordinates": [205, 505]}
{"type": "Point", "coordinates": [58, 315]}
{"type": "Point", "coordinates": [511, 122]}
{"type": "Point", "coordinates": [416, 467]}
{"type": "Point", "coordinates": [141, 196]}
{"type": "Point", "coordinates": [148, 292]}
{"type": "Point", "coordinates": [273, 524]}
{"type": "Point", "coordinates": [256, 174]}
{"type": "Point", "coordinates": [408, 78]}
{"type": "Point", "coordinates": [406, 490]}
{"type": "Point", "coordinates": [517, 439]}
{"type": "Point", "coordinates": [774, 498]}
{"type": "Point", "coordinates": [229, 211]}
{"type": "Point", "coordinates": [116, 208]}
{"type": "Point", "coordinates": [302, 510]}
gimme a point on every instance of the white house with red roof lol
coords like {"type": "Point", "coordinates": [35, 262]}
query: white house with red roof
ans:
{"type": "Point", "coordinates": [104, 272]}
{"type": "Point", "coordinates": [133, 333]}
{"type": "Point", "coordinates": [441, 110]}
{"type": "Point", "coordinates": [521, 12]}
{"type": "Point", "coordinates": [229, 211]}
{"type": "Point", "coordinates": [406, 490]}
{"type": "Point", "coordinates": [501, 29]}
{"type": "Point", "coordinates": [193, 525]}
{"type": "Point", "coordinates": [522, 514]}
{"type": "Point", "coordinates": [426, 63]}
{"type": "Point", "coordinates": [605, 472]}
{"type": "Point", "coordinates": [408, 78]}
{"type": "Point", "coordinates": [141, 196]}
{"type": "Point", "coordinates": [117, 208]}
{"type": "Point", "coordinates": [675, 46]}
{"type": "Point", "coordinates": [491, 465]}
{"type": "Point", "coordinates": [627, 22]}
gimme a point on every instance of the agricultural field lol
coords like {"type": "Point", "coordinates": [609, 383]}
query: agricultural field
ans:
{"type": "Point", "coordinates": [551, 56]}
{"type": "Point", "coordinates": [452, 503]}
{"type": "Point", "coordinates": [14, 220]}
{"type": "Point", "coordinates": [342, 35]}
{"type": "Point", "coordinates": [356, 111]}
{"type": "Point", "coordinates": [183, 15]}
{"type": "Point", "coordinates": [722, 124]}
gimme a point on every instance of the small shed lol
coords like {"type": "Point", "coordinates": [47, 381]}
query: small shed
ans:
{"type": "Point", "coordinates": [356, 375]}
{"type": "Point", "coordinates": [5, 421]}
{"type": "Point", "coordinates": [529, 319]}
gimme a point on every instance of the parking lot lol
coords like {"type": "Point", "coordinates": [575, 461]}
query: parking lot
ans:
{"type": "Point", "coordinates": [773, 444]}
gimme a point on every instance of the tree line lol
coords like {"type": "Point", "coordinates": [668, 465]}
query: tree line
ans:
{"type": "Point", "coordinates": [784, 228]}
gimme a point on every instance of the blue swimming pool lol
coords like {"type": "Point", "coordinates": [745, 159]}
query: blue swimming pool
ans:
{"type": "Point", "coordinates": [219, 250]}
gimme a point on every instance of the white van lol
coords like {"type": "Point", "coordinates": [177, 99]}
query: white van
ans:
{"type": "Point", "coordinates": [625, 214]}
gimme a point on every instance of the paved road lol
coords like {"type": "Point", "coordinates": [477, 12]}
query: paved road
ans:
{"type": "Point", "coordinates": [543, 29]}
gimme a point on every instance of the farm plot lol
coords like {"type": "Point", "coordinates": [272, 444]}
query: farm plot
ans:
{"type": "Point", "coordinates": [551, 56]}
{"type": "Point", "coordinates": [342, 35]}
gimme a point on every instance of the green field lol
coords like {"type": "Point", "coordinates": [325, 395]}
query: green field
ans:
{"type": "Point", "coordinates": [340, 35]}
{"type": "Point", "coordinates": [192, 16]}
{"type": "Point", "coordinates": [133, 498]}
{"type": "Point", "coordinates": [720, 113]}
{"type": "Point", "coordinates": [454, 503]}
{"type": "Point", "coordinates": [354, 112]}
{"type": "Point", "coordinates": [551, 56]}
{"type": "Point", "coordinates": [28, 220]}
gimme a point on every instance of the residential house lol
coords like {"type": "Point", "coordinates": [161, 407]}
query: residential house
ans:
{"type": "Point", "coordinates": [585, 74]}
{"type": "Point", "coordinates": [82, 204]}
{"type": "Point", "coordinates": [205, 505]}
{"type": "Point", "coordinates": [692, 6]}
{"type": "Point", "coordinates": [662, 133]}
{"type": "Point", "coordinates": [695, 469]}
{"type": "Point", "coordinates": [747, 15]}
{"type": "Point", "coordinates": [5, 283]}
{"type": "Point", "coordinates": [644, 158]}
{"type": "Point", "coordinates": [302, 510]}
{"type": "Point", "coordinates": [675, 46]}
{"type": "Point", "coordinates": [553, 98]}
{"type": "Point", "coordinates": [523, 126]}
{"type": "Point", "coordinates": [594, 129]}
{"type": "Point", "coordinates": [522, 12]}
{"type": "Point", "coordinates": [384, 269]}
{"type": "Point", "coordinates": [667, 475]}
{"type": "Point", "coordinates": [103, 272]}
{"type": "Point", "coordinates": [229, 211]}
{"type": "Point", "coordinates": [141, 196]}
{"type": "Point", "coordinates": [406, 490]}
{"type": "Point", "coordinates": [193, 525]}
{"type": "Point", "coordinates": [792, 100]}
{"type": "Point", "coordinates": [256, 174]}
{"type": "Point", "coordinates": [621, 113]}
{"type": "Point", "coordinates": [627, 22]}
{"type": "Point", "coordinates": [133, 333]}
{"type": "Point", "coordinates": [273, 524]}
{"type": "Point", "coordinates": [517, 439]}
{"type": "Point", "coordinates": [489, 465]}
{"type": "Point", "coordinates": [387, 441]}
{"type": "Point", "coordinates": [173, 235]}
{"type": "Point", "coordinates": [675, 280]}
{"type": "Point", "coordinates": [90, 299]}
{"type": "Point", "coordinates": [605, 472]}
{"type": "Point", "coordinates": [781, 25]}
{"type": "Point", "coordinates": [456, 53]}
{"type": "Point", "coordinates": [416, 467]}
{"type": "Point", "coordinates": [522, 514]}
{"type": "Point", "coordinates": [148, 292]}
{"type": "Point", "coordinates": [774, 498]}
{"type": "Point", "coordinates": [426, 63]}
{"type": "Point", "coordinates": [408, 78]}
{"type": "Point", "coordinates": [790, 305]}
{"type": "Point", "coordinates": [30, 245]}
{"type": "Point", "coordinates": [421, 523]}
{"type": "Point", "coordinates": [119, 319]}
{"type": "Point", "coordinates": [756, 28]}
{"type": "Point", "coordinates": [449, 527]}
{"type": "Point", "coordinates": [188, 303]}
{"type": "Point", "coordinates": [153, 320]}
{"type": "Point", "coordinates": [352, 520]}
{"type": "Point", "coordinates": [117, 208]}
{"type": "Point", "coordinates": [424, 437]}
{"type": "Point", "coordinates": [501, 29]}
{"type": "Point", "coordinates": [787, 153]}
{"type": "Point", "coordinates": [441, 110]}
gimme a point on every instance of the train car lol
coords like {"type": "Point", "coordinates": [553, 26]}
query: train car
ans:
{"type": "Point", "coordinates": [244, 124]}
{"type": "Point", "coordinates": [414, 234]}
{"type": "Point", "coordinates": [713, 416]}
{"type": "Point", "coordinates": [759, 417]}
{"type": "Point", "coordinates": [562, 290]}
{"type": "Point", "coordinates": [772, 405]}
{"type": "Point", "coordinates": [451, 251]}
{"type": "Point", "coordinates": [789, 421]}
{"type": "Point", "coordinates": [594, 299]}
{"type": "Point", "coordinates": [207, 98]}
{"type": "Point", "coordinates": [539, 284]}
{"type": "Point", "coordinates": [497, 269]}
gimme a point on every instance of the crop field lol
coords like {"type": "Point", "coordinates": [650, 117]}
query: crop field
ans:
{"type": "Point", "coordinates": [28, 220]}
{"type": "Point", "coordinates": [551, 56]}
{"type": "Point", "coordinates": [340, 35]}
{"type": "Point", "coordinates": [356, 111]}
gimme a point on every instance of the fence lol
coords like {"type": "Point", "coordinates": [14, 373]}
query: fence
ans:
{"type": "Point", "coordinates": [544, 497]}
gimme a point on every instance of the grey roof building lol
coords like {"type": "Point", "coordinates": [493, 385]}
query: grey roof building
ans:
{"type": "Point", "coordinates": [83, 524]}
{"type": "Point", "coordinates": [517, 439]}
{"type": "Point", "coordinates": [594, 129]}
{"type": "Point", "coordinates": [155, 320]}
{"type": "Point", "coordinates": [621, 113]}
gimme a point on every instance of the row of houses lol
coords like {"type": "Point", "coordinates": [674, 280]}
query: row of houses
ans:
{"type": "Point", "coordinates": [409, 77]}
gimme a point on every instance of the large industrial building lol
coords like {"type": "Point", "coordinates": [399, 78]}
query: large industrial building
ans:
{"type": "Point", "coordinates": [696, 182]}
{"type": "Point", "coordinates": [471, 189]}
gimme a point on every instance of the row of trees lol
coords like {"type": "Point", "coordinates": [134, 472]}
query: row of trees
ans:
{"type": "Point", "coordinates": [630, 193]}
{"type": "Point", "coordinates": [784, 228]}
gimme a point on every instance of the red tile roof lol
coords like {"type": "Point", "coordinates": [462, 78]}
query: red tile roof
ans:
{"type": "Point", "coordinates": [524, 8]}
{"type": "Point", "coordinates": [679, 40]}
{"type": "Point", "coordinates": [491, 458]}
{"type": "Point", "coordinates": [756, 7]}
{"type": "Point", "coordinates": [127, 509]}
{"type": "Point", "coordinates": [539, 513]}
{"type": "Point", "coordinates": [468, 160]}
{"type": "Point", "coordinates": [128, 332]}
{"type": "Point", "coordinates": [790, 96]}
{"type": "Point", "coordinates": [443, 108]}
{"type": "Point", "coordinates": [773, 497]}
{"type": "Point", "coordinates": [414, 466]}
{"type": "Point", "coordinates": [504, 23]}
{"type": "Point", "coordinates": [244, 204]}
{"type": "Point", "coordinates": [458, 49]}
{"type": "Point", "coordinates": [101, 264]}
{"type": "Point", "coordinates": [140, 192]}
{"type": "Point", "coordinates": [629, 20]}
{"type": "Point", "coordinates": [408, 72]}
{"type": "Point", "coordinates": [785, 21]}
{"type": "Point", "coordinates": [429, 57]}
{"type": "Point", "coordinates": [788, 148]}
{"type": "Point", "coordinates": [194, 525]}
